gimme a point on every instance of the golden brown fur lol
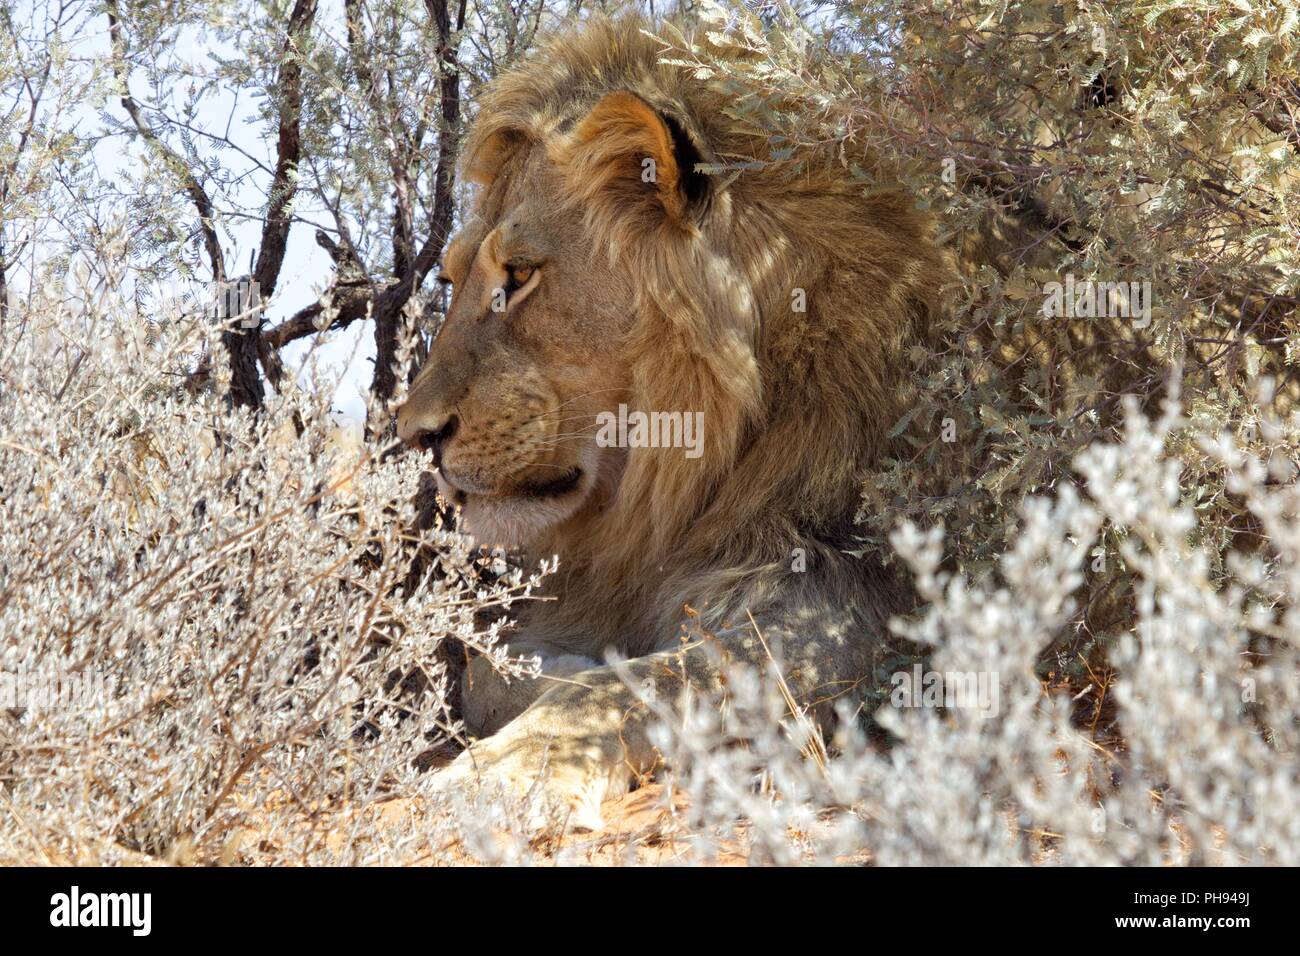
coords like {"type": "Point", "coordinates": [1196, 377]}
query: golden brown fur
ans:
{"type": "Point", "coordinates": [676, 294]}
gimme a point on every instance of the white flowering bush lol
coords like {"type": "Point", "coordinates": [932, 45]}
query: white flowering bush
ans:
{"type": "Point", "coordinates": [216, 629]}
{"type": "Point", "coordinates": [1203, 769]}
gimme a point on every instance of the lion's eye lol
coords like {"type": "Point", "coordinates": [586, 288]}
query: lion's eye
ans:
{"type": "Point", "coordinates": [443, 278]}
{"type": "Point", "coordinates": [518, 275]}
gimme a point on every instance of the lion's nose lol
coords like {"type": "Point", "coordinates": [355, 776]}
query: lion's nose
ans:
{"type": "Point", "coordinates": [430, 439]}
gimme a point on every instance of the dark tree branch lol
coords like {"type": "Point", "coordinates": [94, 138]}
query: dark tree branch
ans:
{"type": "Point", "coordinates": [1288, 125]}
{"type": "Point", "coordinates": [345, 259]}
{"type": "Point", "coordinates": [350, 299]}
{"type": "Point", "coordinates": [275, 231]}
{"type": "Point", "coordinates": [386, 304]}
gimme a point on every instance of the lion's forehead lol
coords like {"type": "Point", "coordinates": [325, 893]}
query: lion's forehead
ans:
{"type": "Point", "coordinates": [522, 209]}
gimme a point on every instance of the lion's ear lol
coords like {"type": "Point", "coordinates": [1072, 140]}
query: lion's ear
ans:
{"type": "Point", "coordinates": [641, 159]}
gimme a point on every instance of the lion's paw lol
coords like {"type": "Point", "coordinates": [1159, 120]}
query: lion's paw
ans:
{"type": "Point", "coordinates": [554, 790]}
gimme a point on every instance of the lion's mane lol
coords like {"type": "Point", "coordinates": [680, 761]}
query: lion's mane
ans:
{"type": "Point", "coordinates": [797, 404]}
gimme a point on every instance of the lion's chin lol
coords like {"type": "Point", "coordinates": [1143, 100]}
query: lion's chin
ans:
{"type": "Point", "coordinates": [520, 519]}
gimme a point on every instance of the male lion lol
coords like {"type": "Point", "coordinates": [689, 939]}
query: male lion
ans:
{"type": "Point", "coordinates": [599, 269]}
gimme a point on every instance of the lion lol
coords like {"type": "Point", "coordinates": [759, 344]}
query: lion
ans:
{"type": "Point", "coordinates": [602, 274]}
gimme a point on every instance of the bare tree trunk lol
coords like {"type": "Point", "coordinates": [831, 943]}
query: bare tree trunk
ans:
{"type": "Point", "coordinates": [245, 381]}
{"type": "Point", "coordinates": [284, 183]}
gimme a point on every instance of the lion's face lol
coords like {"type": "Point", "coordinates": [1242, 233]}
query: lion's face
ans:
{"type": "Point", "coordinates": [529, 353]}
{"type": "Point", "coordinates": [535, 345]}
